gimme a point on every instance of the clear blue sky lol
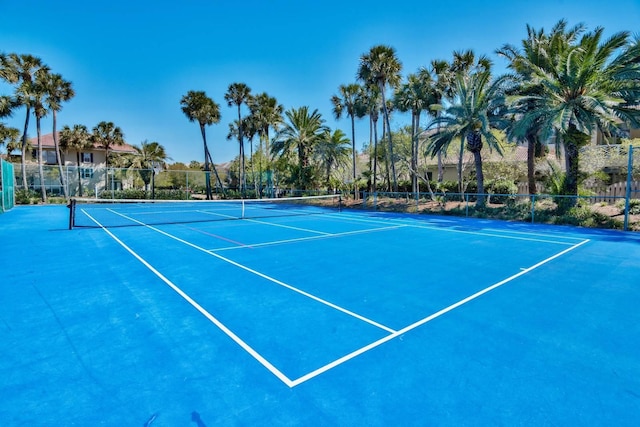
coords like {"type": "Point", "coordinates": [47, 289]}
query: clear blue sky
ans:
{"type": "Point", "coordinates": [131, 61]}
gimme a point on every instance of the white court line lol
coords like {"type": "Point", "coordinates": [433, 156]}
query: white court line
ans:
{"type": "Point", "coordinates": [302, 239]}
{"type": "Point", "coordinates": [421, 322]}
{"type": "Point", "coordinates": [449, 230]}
{"type": "Point", "coordinates": [287, 226]}
{"type": "Point", "coordinates": [264, 276]}
{"type": "Point", "coordinates": [264, 362]}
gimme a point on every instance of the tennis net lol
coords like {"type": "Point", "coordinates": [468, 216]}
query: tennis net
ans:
{"type": "Point", "coordinates": [123, 213]}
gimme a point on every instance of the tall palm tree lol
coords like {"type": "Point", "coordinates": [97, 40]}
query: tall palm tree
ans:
{"type": "Point", "coordinates": [371, 101]}
{"type": "Point", "coordinates": [474, 110]}
{"type": "Point", "coordinates": [266, 114]}
{"type": "Point", "coordinates": [416, 95]}
{"type": "Point", "coordinates": [301, 133]}
{"type": "Point", "coordinates": [464, 64]}
{"type": "Point", "coordinates": [198, 107]}
{"type": "Point", "coordinates": [587, 86]}
{"type": "Point", "coordinates": [332, 150]}
{"type": "Point", "coordinates": [380, 67]}
{"type": "Point", "coordinates": [349, 101]}
{"type": "Point", "coordinates": [58, 91]}
{"type": "Point", "coordinates": [19, 70]}
{"type": "Point", "coordinates": [441, 72]}
{"type": "Point", "coordinates": [250, 130]}
{"type": "Point", "coordinates": [107, 135]}
{"type": "Point", "coordinates": [534, 54]}
{"type": "Point", "coordinates": [238, 94]}
{"type": "Point", "coordinates": [78, 139]}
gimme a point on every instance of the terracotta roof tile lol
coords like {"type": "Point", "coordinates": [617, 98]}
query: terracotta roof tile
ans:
{"type": "Point", "coordinates": [47, 142]}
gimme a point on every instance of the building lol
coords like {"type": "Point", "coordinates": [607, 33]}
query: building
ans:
{"type": "Point", "coordinates": [90, 172]}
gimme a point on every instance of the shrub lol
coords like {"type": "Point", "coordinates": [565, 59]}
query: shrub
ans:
{"type": "Point", "coordinates": [634, 206]}
{"type": "Point", "coordinates": [24, 197]}
{"type": "Point", "coordinates": [504, 191]}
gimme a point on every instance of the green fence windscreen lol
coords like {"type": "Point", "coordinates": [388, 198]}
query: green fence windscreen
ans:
{"type": "Point", "coordinates": [7, 186]}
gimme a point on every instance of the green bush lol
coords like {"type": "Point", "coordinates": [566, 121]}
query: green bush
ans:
{"type": "Point", "coordinates": [634, 206]}
{"type": "Point", "coordinates": [504, 191]}
{"type": "Point", "coordinates": [25, 197]}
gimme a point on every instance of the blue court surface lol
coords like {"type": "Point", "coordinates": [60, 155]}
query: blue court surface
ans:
{"type": "Point", "coordinates": [349, 318]}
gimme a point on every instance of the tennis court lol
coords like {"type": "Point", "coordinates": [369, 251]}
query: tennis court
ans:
{"type": "Point", "coordinates": [162, 315]}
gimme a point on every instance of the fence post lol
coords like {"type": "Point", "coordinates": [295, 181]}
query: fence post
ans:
{"type": "Point", "coordinates": [628, 192]}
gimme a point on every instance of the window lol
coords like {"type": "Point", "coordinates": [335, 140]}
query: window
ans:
{"type": "Point", "coordinates": [49, 157]}
{"type": "Point", "coordinates": [87, 157]}
{"type": "Point", "coordinates": [86, 172]}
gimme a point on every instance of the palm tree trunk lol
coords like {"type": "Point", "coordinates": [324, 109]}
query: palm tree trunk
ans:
{"type": "Point", "coordinates": [207, 175]}
{"type": "Point", "coordinates": [386, 118]}
{"type": "Point", "coordinates": [460, 189]}
{"type": "Point", "coordinates": [23, 156]}
{"type": "Point", "coordinates": [571, 164]}
{"type": "Point", "coordinates": [370, 180]}
{"type": "Point", "coordinates": [387, 163]}
{"type": "Point", "coordinates": [215, 171]}
{"type": "Point", "coordinates": [253, 169]}
{"type": "Point", "coordinates": [59, 157]}
{"type": "Point", "coordinates": [414, 153]}
{"type": "Point", "coordinates": [353, 152]}
{"type": "Point", "coordinates": [477, 159]}
{"type": "Point", "coordinates": [375, 157]}
{"type": "Point", "coordinates": [531, 177]}
{"type": "Point", "coordinates": [43, 190]}
{"type": "Point", "coordinates": [440, 165]}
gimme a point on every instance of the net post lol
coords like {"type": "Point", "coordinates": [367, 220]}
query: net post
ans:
{"type": "Point", "coordinates": [339, 202]}
{"type": "Point", "coordinates": [72, 212]}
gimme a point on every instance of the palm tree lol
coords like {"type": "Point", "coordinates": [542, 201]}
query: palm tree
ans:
{"type": "Point", "coordinates": [8, 135]}
{"type": "Point", "coordinates": [441, 71]}
{"type": "Point", "coordinates": [464, 64]}
{"type": "Point", "coordinates": [148, 156]}
{"type": "Point", "coordinates": [266, 114]}
{"type": "Point", "coordinates": [250, 129]}
{"type": "Point", "coordinates": [349, 101]}
{"type": "Point", "coordinates": [238, 94]}
{"type": "Point", "coordinates": [198, 107]}
{"type": "Point", "coordinates": [58, 91]}
{"type": "Point", "coordinates": [534, 54]}
{"type": "Point", "coordinates": [19, 70]}
{"type": "Point", "coordinates": [77, 139]}
{"type": "Point", "coordinates": [39, 111]}
{"type": "Point", "coordinates": [381, 67]}
{"type": "Point", "coordinates": [332, 150]}
{"type": "Point", "coordinates": [107, 135]}
{"type": "Point", "coordinates": [301, 133]}
{"type": "Point", "coordinates": [474, 110]}
{"type": "Point", "coordinates": [415, 95]}
{"type": "Point", "coordinates": [372, 105]}
{"type": "Point", "coordinates": [586, 86]}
